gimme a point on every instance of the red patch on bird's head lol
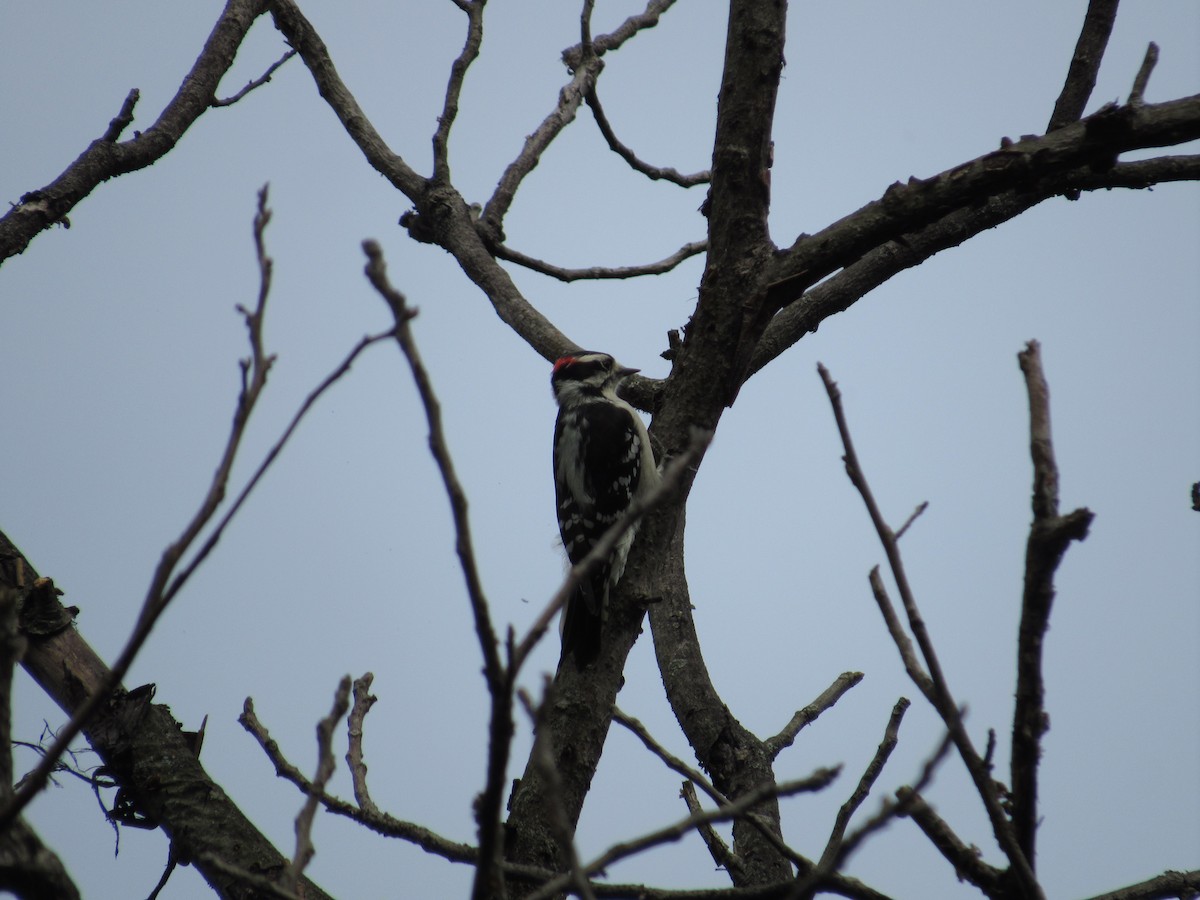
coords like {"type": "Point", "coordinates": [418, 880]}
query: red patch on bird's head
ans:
{"type": "Point", "coordinates": [562, 362]}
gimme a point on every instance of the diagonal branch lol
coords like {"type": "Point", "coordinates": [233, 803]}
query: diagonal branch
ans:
{"type": "Point", "coordinates": [1164, 887]}
{"type": "Point", "coordinates": [569, 98]}
{"type": "Point", "coordinates": [841, 291]}
{"type": "Point", "coordinates": [1085, 64]}
{"type": "Point", "coordinates": [806, 716]}
{"type": "Point", "coordinates": [965, 859]}
{"type": "Point", "coordinates": [104, 158]}
{"type": "Point", "coordinates": [304, 38]}
{"type": "Point", "coordinates": [265, 78]}
{"type": "Point", "coordinates": [1049, 536]}
{"type": "Point", "coordinates": [1056, 163]}
{"type": "Point", "coordinates": [166, 582]}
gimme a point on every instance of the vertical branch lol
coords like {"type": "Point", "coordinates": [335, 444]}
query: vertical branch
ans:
{"type": "Point", "coordinates": [1049, 536]}
{"type": "Point", "coordinates": [376, 271]}
{"type": "Point", "coordinates": [1085, 64]}
{"type": "Point", "coordinates": [458, 72]}
{"type": "Point", "coordinates": [325, 766]}
{"type": "Point", "coordinates": [488, 881]}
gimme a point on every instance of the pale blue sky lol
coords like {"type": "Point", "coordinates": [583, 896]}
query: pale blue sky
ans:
{"type": "Point", "coordinates": [118, 349]}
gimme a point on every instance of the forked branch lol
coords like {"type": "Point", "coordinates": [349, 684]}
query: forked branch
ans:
{"type": "Point", "coordinates": [939, 692]}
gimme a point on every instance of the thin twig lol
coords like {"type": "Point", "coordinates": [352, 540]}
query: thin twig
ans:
{"type": "Point", "coordinates": [500, 679]}
{"type": "Point", "coordinates": [569, 98]}
{"type": "Point", "coordinates": [380, 823]}
{"type": "Point", "coordinates": [325, 766]}
{"type": "Point", "coordinates": [835, 855]}
{"type": "Point", "coordinates": [908, 654]}
{"type": "Point", "coordinates": [760, 823]}
{"type": "Point", "coordinates": [599, 273]}
{"type": "Point", "coordinates": [123, 119]}
{"type": "Point", "coordinates": [921, 507]}
{"type": "Point", "coordinates": [806, 716]}
{"type": "Point", "coordinates": [363, 701]}
{"type": "Point", "coordinates": [458, 72]}
{"type": "Point", "coordinates": [1138, 93]}
{"type": "Point", "coordinates": [1085, 63]}
{"type": "Point", "coordinates": [891, 737]}
{"type": "Point", "coordinates": [672, 762]}
{"type": "Point", "coordinates": [940, 696]}
{"type": "Point", "coordinates": [720, 852]}
{"type": "Point", "coordinates": [965, 859]}
{"type": "Point", "coordinates": [655, 173]}
{"type": "Point", "coordinates": [257, 82]}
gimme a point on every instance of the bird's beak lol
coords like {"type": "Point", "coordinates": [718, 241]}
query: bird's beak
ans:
{"type": "Point", "coordinates": [626, 372]}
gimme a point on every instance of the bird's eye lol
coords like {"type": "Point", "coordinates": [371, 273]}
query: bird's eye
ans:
{"type": "Point", "coordinates": [608, 364]}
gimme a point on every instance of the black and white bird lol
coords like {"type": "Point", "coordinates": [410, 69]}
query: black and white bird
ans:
{"type": "Point", "coordinates": [602, 464]}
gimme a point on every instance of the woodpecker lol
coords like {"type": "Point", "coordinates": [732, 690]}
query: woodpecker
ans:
{"type": "Point", "coordinates": [602, 464]}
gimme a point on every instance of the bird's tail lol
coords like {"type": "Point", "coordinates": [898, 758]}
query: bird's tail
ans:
{"type": "Point", "coordinates": [582, 619]}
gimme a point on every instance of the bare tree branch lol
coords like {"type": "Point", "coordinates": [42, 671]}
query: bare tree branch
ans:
{"type": "Point", "coordinates": [325, 766]}
{"type": "Point", "coordinates": [819, 780]}
{"type": "Point", "coordinates": [1165, 886]}
{"type": "Point", "coordinates": [765, 826]}
{"type": "Point", "coordinates": [891, 736]}
{"type": "Point", "coordinates": [376, 271]}
{"type": "Point", "coordinates": [104, 158]}
{"type": "Point", "coordinates": [908, 655]}
{"type": "Point", "coordinates": [500, 680]}
{"type": "Point", "coordinates": [166, 583]}
{"type": "Point", "coordinates": [1049, 536]}
{"type": "Point", "coordinates": [363, 701]}
{"type": "Point", "coordinates": [942, 700]}
{"type": "Point", "coordinates": [655, 173]}
{"type": "Point", "coordinates": [458, 72]}
{"type": "Point", "coordinates": [1142, 79]}
{"type": "Point", "coordinates": [629, 28]}
{"type": "Point", "coordinates": [257, 82]}
{"type": "Point", "coordinates": [601, 272]}
{"type": "Point", "coordinates": [965, 860]}
{"type": "Point", "coordinates": [140, 743]}
{"type": "Point", "coordinates": [1085, 64]}
{"type": "Point", "coordinates": [840, 291]}
{"type": "Point", "coordinates": [806, 716]}
{"type": "Point", "coordinates": [840, 848]}
{"type": "Point", "coordinates": [721, 854]}
{"type": "Point", "coordinates": [569, 98]}
{"type": "Point", "coordinates": [1044, 166]}
{"type": "Point", "coordinates": [380, 823]}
